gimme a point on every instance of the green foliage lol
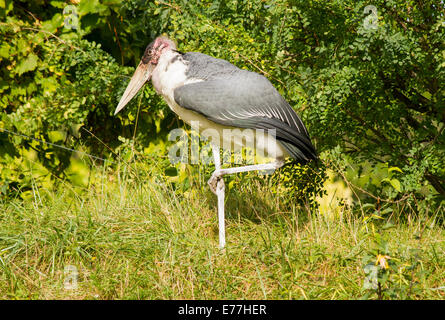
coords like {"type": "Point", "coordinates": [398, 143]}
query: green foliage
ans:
{"type": "Point", "coordinates": [367, 83]}
{"type": "Point", "coordinates": [302, 184]}
{"type": "Point", "coordinates": [60, 89]}
{"type": "Point", "coordinates": [379, 97]}
{"type": "Point", "coordinates": [390, 272]}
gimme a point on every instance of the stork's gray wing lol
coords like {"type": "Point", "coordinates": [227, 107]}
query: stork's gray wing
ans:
{"type": "Point", "coordinates": [248, 100]}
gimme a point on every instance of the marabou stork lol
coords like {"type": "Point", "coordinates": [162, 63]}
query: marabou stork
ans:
{"type": "Point", "coordinates": [221, 96]}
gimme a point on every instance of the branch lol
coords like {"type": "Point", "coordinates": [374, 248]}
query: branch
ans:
{"type": "Point", "coordinates": [436, 182]}
{"type": "Point", "coordinates": [389, 85]}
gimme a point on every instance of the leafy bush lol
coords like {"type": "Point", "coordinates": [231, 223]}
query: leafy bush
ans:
{"type": "Point", "coordinates": [52, 87]}
{"type": "Point", "coordinates": [367, 82]}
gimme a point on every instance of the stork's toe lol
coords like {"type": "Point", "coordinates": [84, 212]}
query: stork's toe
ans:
{"type": "Point", "coordinates": [216, 182]}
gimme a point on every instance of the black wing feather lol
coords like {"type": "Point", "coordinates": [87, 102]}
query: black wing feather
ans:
{"type": "Point", "coordinates": [248, 100]}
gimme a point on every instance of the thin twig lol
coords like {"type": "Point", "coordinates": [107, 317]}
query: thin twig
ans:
{"type": "Point", "coordinates": [54, 36]}
{"type": "Point", "coordinates": [253, 64]}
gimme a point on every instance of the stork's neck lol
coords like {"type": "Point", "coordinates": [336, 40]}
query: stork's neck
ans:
{"type": "Point", "coordinates": [169, 72]}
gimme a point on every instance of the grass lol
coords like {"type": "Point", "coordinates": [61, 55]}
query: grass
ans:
{"type": "Point", "coordinates": [138, 238]}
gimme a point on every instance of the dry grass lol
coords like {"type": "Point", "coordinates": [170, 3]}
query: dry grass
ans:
{"type": "Point", "coordinates": [140, 239]}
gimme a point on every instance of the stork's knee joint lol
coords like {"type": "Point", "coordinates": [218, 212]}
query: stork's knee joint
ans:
{"type": "Point", "coordinates": [218, 173]}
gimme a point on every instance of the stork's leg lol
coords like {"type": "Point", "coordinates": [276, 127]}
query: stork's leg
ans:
{"type": "Point", "coordinates": [218, 173]}
{"type": "Point", "coordinates": [218, 189]}
{"type": "Point", "coordinates": [216, 184]}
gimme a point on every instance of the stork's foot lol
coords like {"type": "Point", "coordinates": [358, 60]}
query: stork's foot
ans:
{"type": "Point", "coordinates": [216, 182]}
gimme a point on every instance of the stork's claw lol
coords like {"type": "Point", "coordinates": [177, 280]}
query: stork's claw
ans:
{"type": "Point", "coordinates": [216, 182]}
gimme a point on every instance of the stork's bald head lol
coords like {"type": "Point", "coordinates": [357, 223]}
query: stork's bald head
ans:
{"type": "Point", "coordinates": [156, 48]}
{"type": "Point", "coordinates": [143, 72]}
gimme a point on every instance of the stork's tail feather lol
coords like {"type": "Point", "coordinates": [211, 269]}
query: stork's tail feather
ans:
{"type": "Point", "coordinates": [301, 156]}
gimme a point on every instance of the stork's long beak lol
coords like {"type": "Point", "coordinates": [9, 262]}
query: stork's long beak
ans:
{"type": "Point", "coordinates": [140, 77]}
